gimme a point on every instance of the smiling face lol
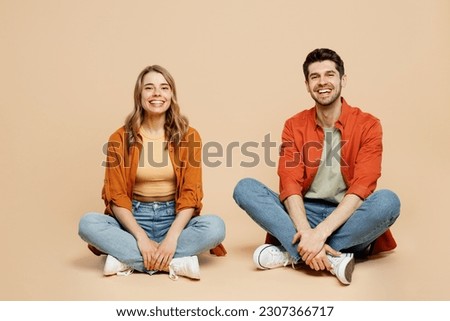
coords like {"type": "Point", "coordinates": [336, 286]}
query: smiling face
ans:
{"type": "Point", "coordinates": [156, 94]}
{"type": "Point", "coordinates": [324, 82]}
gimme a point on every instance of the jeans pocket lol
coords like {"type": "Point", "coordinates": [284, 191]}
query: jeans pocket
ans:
{"type": "Point", "coordinates": [170, 211]}
{"type": "Point", "coordinates": [165, 219]}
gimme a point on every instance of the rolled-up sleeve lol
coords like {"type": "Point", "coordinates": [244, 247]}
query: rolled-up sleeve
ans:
{"type": "Point", "coordinates": [290, 166]}
{"type": "Point", "coordinates": [115, 182]}
{"type": "Point", "coordinates": [190, 190]}
{"type": "Point", "coordinates": [367, 167]}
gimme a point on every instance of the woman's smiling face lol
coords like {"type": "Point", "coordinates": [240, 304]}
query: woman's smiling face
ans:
{"type": "Point", "coordinates": [156, 94]}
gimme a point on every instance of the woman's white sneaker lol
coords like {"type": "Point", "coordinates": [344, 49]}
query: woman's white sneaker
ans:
{"type": "Point", "coordinates": [114, 267]}
{"type": "Point", "coordinates": [184, 266]}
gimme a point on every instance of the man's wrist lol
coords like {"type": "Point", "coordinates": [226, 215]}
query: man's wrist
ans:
{"type": "Point", "coordinates": [323, 230]}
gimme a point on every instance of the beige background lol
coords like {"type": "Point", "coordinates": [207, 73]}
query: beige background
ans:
{"type": "Point", "coordinates": [67, 75]}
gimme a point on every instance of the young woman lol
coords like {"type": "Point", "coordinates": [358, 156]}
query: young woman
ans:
{"type": "Point", "coordinates": [153, 190]}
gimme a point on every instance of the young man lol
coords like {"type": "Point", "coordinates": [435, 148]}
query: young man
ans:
{"type": "Point", "coordinates": [327, 211]}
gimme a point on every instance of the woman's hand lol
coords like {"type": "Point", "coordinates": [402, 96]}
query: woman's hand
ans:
{"type": "Point", "coordinates": [148, 248]}
{"type": "Point", "coordinates": [166, 249]}
{"type": "Point", "coordinates": [161, 258]}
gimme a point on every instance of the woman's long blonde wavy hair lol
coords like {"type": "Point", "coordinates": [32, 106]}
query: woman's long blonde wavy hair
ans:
{"type": "Point", "coordinates": [176, 124]}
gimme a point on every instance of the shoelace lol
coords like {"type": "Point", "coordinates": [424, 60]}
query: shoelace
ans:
{"type": "Point", "coordinates": [276, 254]}
{"type": "Point", "coordinates": [172, 274]}
{"type": "Point", "coordinates": [333, 264]}
{"type": "Point", "coordinates": [126, 272]}
{"type": "Point", "coordinates": [334, 260]}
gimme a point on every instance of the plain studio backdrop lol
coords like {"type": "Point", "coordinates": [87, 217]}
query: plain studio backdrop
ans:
{"type": "Point", "coordinates": [67, 75]}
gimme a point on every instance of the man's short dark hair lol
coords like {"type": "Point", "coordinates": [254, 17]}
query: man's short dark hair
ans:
{"type": "Point", "coordinates": [322, 54]}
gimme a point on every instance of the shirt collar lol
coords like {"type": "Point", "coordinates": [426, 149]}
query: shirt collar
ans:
{"type": "Point", "coordinates": [345, 112]}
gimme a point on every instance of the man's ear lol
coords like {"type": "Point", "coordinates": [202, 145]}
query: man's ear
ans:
{"type": "Point", "coordinates": [343, 81]}
{"type": "Point", "coordinates": [307, 86]}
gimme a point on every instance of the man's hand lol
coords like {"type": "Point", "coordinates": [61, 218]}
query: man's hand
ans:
{"type": "Point", "coordinates": [311, 241]}
{"type": "Point", "coordinates": [320, 261]}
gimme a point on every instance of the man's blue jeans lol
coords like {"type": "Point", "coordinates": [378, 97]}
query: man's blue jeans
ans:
{"type": "Point", "coordinates": [202, 233]}
{"type": "Point", "coordinates": [376, 214]}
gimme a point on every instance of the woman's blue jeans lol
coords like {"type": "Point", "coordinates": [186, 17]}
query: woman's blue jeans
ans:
{"type": "Point", "coordinates": [202, 233]}
{"type": "Point", "coordinates": [376, 214]}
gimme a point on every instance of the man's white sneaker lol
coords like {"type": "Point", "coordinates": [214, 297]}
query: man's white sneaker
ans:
{"type": "Point", "coordinates": [342, 267]}
{"type": "Point", "coordinates": [184, 266]}
{"type": "Point", "coordinates": [268, 256]}
{"type": "Point", "coordinates": [113, 266]}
